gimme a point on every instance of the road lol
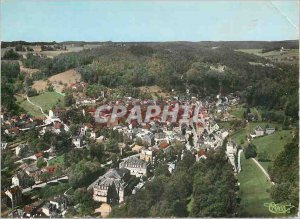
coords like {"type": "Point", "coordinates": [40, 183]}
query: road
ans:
{"type": "Point", "coordinates": [263, 170]}
{"type": "Point", "coordinates": [41, 185]}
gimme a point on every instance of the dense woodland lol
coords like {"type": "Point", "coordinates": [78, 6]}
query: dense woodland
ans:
{"type": "Point", "coordinates": [182, 66]}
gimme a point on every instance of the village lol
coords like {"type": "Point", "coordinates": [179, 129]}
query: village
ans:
{"type": "Point", "coordinates": [138, 151]}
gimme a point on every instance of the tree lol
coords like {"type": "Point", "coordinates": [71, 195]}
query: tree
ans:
{"type": "Point", "coordinates": [250, 151]}
{"type": "Point", "coordinates": [214, 188]}
{"type": "Point", "coordinates": [41, 162]}
{"type": "Point", "coordinates": [112, 195]}
{"type": "Point", "coordinates": [11, 55]}
{"type": "Point", "coordinates": [285, 173]}
{"type": "Point", "coordinates": [69, 100]}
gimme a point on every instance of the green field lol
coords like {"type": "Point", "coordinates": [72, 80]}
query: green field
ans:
{"type": "Point", "coordinates": [47, 100]}
{"type": "Point", "coordinates": [273, 144]}
{"type": "Point", "coordinates": [32, 110]}
{"type": "Point", "coordinates": [241, 134]}
{"type": "Point", "coordinates": [57, 160]}
{"type": "Point", "coordinates": [253, 190]}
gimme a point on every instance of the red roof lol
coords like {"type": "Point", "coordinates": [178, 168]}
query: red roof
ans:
{"type": "Point", "coordinates": [28, 209]}
{"type": "Point", "coordinates": [201, 152]}
{"type": "Point", "coordinates": [57, 125]}
{"type": "Point", "coordinates": [38, 154]}
{"type": "Point", "coordinates": [50, 169]}
{"type": "Point", "coordinates": [163, 144]}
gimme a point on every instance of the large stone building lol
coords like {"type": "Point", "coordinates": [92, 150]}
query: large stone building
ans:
{"type": "Point", "coordinates": [136, 166]}
{"type": "Point", "coordinates": [110, 187]}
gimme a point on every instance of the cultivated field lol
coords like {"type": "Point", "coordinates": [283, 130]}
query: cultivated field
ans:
{"type": "Point", "coordinates": [67, 77]}
{"type": "Point", "coordinates": [58, 81]}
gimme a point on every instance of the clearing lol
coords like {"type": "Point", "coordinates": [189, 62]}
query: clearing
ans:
{"type": "Point", "coordinates": [40, 85]}
{"type": "Point", "coordinates": [155, 91]}
{"type": "Point", "coordinates": [58, 81]}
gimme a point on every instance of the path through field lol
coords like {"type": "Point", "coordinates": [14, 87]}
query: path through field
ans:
{"type": "Point", "coordinates": [29, 101]}
{"type": "Point", "coordinates": [262, 169]}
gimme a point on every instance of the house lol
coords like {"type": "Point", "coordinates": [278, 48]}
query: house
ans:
{"type": "Point", "coordinates": [158, 137]}
{"type": "Point", "coordinates": [50, 210]}
{"type": "Point", "coordinates": [14, 195]}
{"type": "Point", "coordinates": [60, 203]}
{"type": "Point", "coordinates": [137, 148]}
{"type": "Point", "coordinates": [136, 166]}
{"type": "Point", "coordinates": [77, 141]}
{"type": "Point", "coordinates": [33, 210]}
{"type": "Point", "coordinates": [270, 131]}
{"type": "Point", "coordinates": [93, 135]}
{"type": "Point", "coordinates": [20, 149]}
{"type": "Point", "coordinates": [22, 179]}
{"type": "Point", "coordinates": [259, 131]}
{"type": "Point", "coordinates": [12, 131]}
{"type": "Point", "coordinates": [146, 155]}
{"type": "Point", "coordinates": [110, 187]}
{"type": "Point", "coordinates": [201, 154]}
{"type": "Point", "coordinates": [4, 145]}
{"type": "Point", "coordinates": [32, 170]}
{"type": "Point", "coordinates": [163, 145]}
{"type": "Point", "coordinates": [171, 167]}
{"type": "Point", "coordinates": [38, 155]}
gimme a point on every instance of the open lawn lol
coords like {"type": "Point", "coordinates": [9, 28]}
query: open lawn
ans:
{"type": "Point", "coordinates": [57, 160]}
{"type": "Point", "coordinates": [253, 190]}
{"type": "Point", "coordinates": [32, 110]}
{"type": "Point", "coordinates": [273, 144]}
{"type": "Point", "coordinates": [47, 100]}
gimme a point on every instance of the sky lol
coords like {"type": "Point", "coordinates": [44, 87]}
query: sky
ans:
{"type": "Point", "coordinates": [85, 20]}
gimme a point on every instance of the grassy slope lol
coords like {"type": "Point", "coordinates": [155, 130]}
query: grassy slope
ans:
{"type": "Point", "coordinates": [273, 144]}
{"type": "Point", "coordinates": [253, 190]}
{"type": "Point", "coordinates": [46, 100]}
{"type": "Point", "coordinates": [32, 110]}
{"type": "Point", "coordinates": [253, 184]}
{"type": "Point", "coordinates": [242, 133]}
